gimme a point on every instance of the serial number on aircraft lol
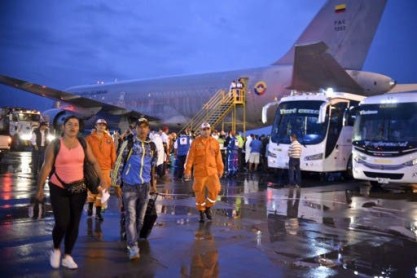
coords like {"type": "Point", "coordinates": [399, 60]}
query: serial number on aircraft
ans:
{"type": "Point", "coordinates": [339, 25]}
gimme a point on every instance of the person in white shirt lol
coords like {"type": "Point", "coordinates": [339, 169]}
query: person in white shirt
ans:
{"type": "Point", "coordinates": [247, 148]}
{"type": "Point", "coordinates": [156, 138]}
{"type": "Point", "coordinates": [294, 154]}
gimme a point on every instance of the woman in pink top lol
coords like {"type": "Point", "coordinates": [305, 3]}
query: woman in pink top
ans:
{"type": "Point", "coordinates": [67, 205]}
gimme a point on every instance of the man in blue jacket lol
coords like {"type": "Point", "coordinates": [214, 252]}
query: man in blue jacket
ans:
{"type": "Point", "coordinates": [135, 171]}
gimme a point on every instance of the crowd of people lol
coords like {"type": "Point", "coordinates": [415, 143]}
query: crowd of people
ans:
{"type": "Point", "coordinates": [132, 162]}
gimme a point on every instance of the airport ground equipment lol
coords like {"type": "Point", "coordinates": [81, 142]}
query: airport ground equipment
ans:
{"type": "Point", "coordinates": [227, 108]}
{"type": "Point", "coordinates": [19, 123]}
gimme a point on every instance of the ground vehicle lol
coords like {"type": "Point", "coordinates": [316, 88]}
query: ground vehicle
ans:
{"type": "Point", "coordinates": [19, 124]}
{"type": "Point", "coordinates": [5, 142]}
{"type": "Point", "coordinates": [323, 123]}
{"type": "Point", "coordinates": [385, 139]}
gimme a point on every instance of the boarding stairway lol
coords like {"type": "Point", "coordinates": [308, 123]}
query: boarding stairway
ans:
{"type": "Point", "coordinates": [223, 103]}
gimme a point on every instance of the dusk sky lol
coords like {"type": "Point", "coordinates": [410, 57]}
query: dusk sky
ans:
{"type": "Point", "coordinates": [66, 43]}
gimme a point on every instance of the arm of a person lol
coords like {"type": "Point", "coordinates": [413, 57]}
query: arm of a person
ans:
{"type": "Point", "coordinates": [153, 170]}
{"type": "Point", "coordinates": [219, 163]}
{"type": "Point", "coordinates": [92, 159]}
{"type": "Point", "coordinates": [189, 162]}
{"type": "Point", "coordinates": [112, 155]}
{"type": "Point", "coordinates": [45, 170]}
{"type": "Point", "coordinates": [153, 180]}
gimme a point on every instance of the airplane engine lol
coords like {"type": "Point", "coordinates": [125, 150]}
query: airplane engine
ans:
{"type": "Point", "coordinates": [56, 117]}
{"type": "Point", "coordinates": [371, 82]}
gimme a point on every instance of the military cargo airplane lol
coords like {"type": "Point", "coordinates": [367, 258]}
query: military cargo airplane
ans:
{"type": "Point", "coordinates": [329, 53]}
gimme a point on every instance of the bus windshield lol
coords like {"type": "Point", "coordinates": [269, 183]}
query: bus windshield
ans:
{"type": "Point", "coordinates": [299, 117]}
{"type": "Point", "coordinates": [389, 122]}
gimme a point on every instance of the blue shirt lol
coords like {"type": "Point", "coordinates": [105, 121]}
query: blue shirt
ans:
{"type": "Point", "coordinates": [255, 146]}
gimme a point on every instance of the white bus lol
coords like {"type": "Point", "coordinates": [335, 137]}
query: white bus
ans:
{"type": "Point", "coordinates": [323, 123]}
{"type": "Point", "coordinates": [385, 139]}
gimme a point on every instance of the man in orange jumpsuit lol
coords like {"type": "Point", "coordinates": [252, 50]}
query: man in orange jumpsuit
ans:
{"type": "Point", "coordinates": [103, 148]}
{"type": "Point", "coordinates": [205, 157]}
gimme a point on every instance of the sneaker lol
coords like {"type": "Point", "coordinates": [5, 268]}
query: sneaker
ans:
{"type": "Point", "coordinates": [133, 252]}
{"type": "Point", "coordinates": [55, 258]}
{"type": "Point", "coordinates": [68, 262]}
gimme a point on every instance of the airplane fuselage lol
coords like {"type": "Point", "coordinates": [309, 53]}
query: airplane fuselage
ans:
{"type": "Point", "coordinates": [175, 100]}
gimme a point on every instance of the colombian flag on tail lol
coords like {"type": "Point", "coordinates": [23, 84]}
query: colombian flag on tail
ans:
{"type": "Point", "coordinates": [340, 8]}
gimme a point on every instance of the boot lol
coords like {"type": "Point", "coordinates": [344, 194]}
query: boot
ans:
{"type": "Point", "coordinates": [201, 216]}
{"type": "Point", "coordinates": [208, 213]}
{"type": "Point", "coordinates": [98, 214]}
{"type": "Point", "coordinates": [90, 210]}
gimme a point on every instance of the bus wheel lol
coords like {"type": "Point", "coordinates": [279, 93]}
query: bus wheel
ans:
{"type": "Point", "coordinates": [375, 184]}
{"type": "Point", "coordinates": [15, 143]}
{"type": "Point", "coordinates": [348, 174]}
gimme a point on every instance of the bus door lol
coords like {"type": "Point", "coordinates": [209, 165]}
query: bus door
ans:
{"type": "Point", "coordinates": [337, 146]}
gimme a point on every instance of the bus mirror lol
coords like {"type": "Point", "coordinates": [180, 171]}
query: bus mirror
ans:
{"type": "Point", "coordinates": [265, 110]}
{"type": "Point", "coordinates": [322, 113]}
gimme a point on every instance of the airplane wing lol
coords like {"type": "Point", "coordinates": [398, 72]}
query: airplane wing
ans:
{"type": "Point", "coordinates": [69, 98]}
{"type": "Point", "coordinates": [403, 88]}
{"type": "Point", "coordinates": [315, 69]}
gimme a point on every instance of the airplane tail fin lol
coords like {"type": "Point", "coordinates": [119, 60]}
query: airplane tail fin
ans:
{"type": "Point", "coordinates": [347, 27]}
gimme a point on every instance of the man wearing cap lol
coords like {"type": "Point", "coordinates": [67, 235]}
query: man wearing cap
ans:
{"type": "Point", "coordinates": [103, 148]}
{"type": "Point", "coordinates": [39, 142]}
{"type": "Point", "coordinates": [206, 160]}
{"type": "Point", "coordinates": [135, 169]}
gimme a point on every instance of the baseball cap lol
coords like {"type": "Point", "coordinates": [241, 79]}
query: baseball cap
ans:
{"type": "Point", "coordinates": [205, 125]}
{"type": "Point", "coordinates": [101, 121]}
{"type": "Point", "coordinates": [143, 121]}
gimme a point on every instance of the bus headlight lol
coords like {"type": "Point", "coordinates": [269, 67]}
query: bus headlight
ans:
{"type": "Point", "coordinates": [411, 162]}
{"type": "Point", "coordinates": [358, 158]}
{"type": "Point", "coordinates": [271, 154]}
{"type": "Point", "coordinates": [314, 157]}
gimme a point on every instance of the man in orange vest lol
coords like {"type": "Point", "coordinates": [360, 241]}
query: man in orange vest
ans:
{"type": "Point", "coordinates": [103, 148]}
{"type": "Point", "coordinates": [206, 160]}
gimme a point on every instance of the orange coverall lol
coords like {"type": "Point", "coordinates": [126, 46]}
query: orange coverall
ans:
{"type": "Point", "coordinates": [205, 159]}
{"type": "Point", "coordinates": [105, 153]}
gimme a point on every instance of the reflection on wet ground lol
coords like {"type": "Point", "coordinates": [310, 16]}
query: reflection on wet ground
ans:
{"type": "Point", "coordinates": [261, 228]}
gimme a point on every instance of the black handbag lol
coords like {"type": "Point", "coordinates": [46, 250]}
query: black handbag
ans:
{"type": "Point", "coordinates": [91, 178]}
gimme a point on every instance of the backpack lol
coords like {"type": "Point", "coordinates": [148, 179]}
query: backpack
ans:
{"type": "Point", "coordinates": [136, 162]}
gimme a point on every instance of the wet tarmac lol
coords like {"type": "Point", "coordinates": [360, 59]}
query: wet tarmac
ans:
{"type": "Point", "coordinates": [261, 228]}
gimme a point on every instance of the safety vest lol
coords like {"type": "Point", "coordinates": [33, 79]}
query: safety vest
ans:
{"type": "Point", "coordinates": [183, 145]}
